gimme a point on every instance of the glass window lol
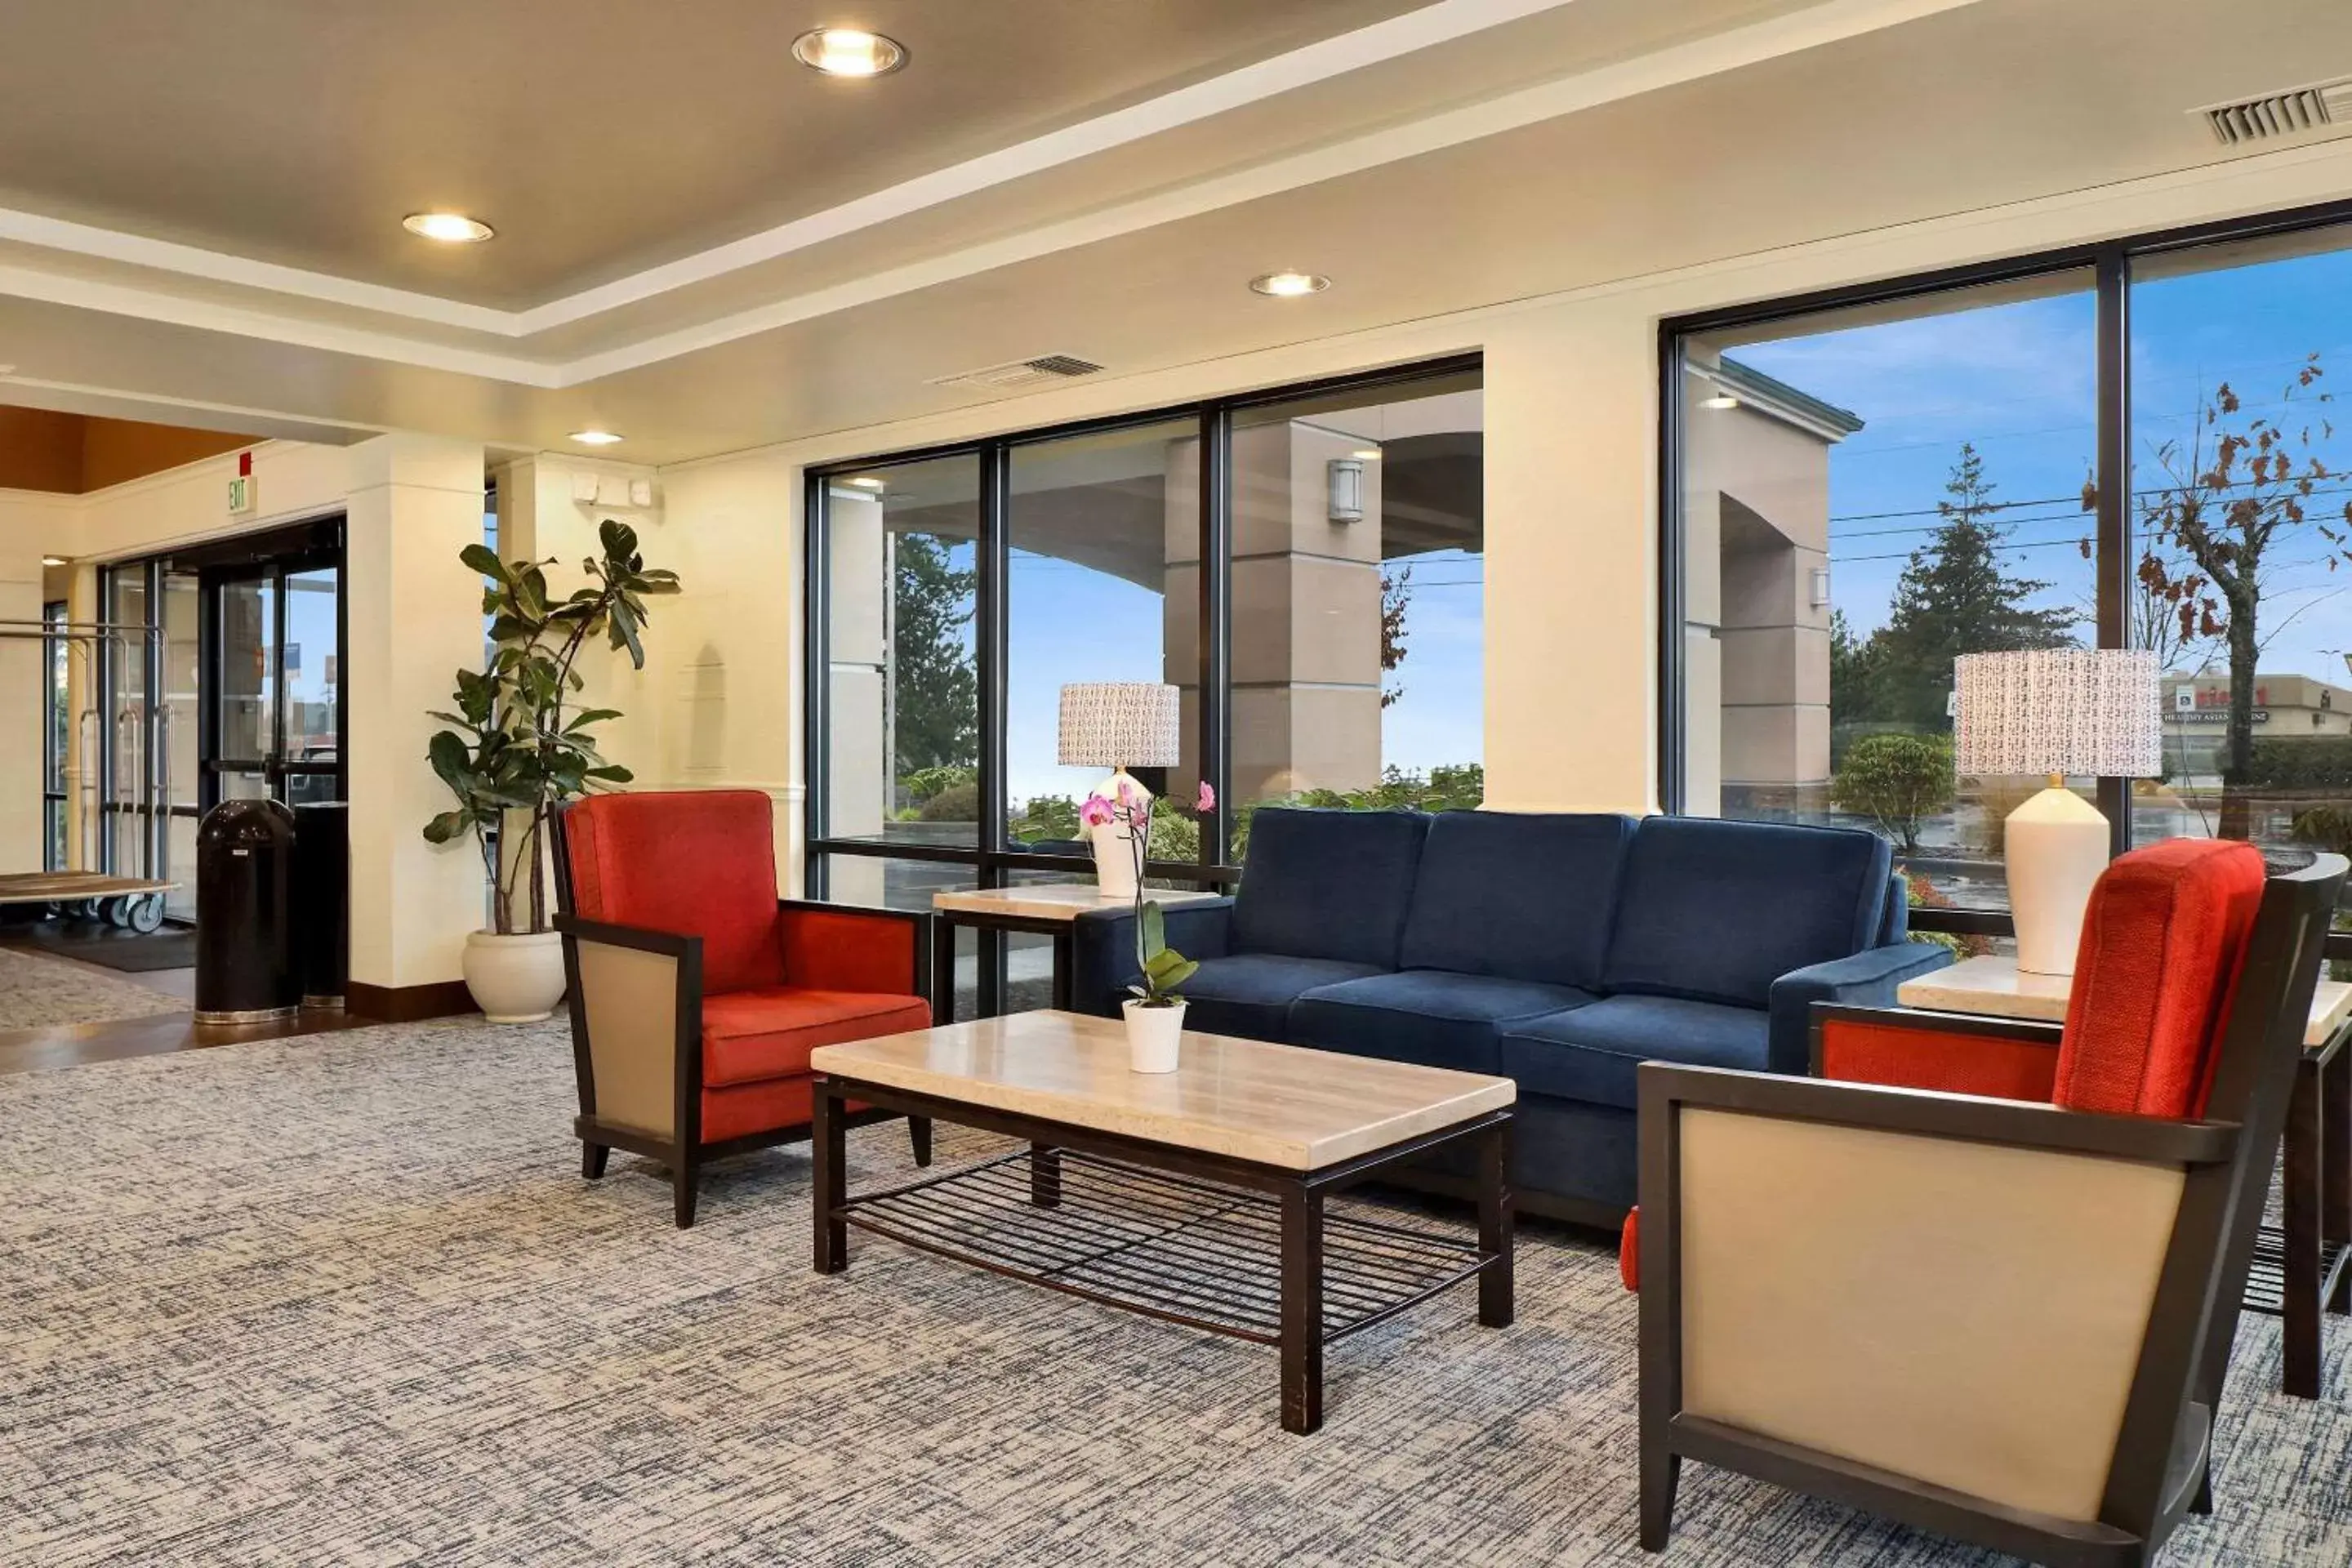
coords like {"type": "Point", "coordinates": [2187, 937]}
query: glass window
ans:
{"type": "Point", "coordinates": [1104, 535]}
{"type": "Point", "coordinates": [1866, 494]}
{"type": "Point", "coordinates": [1358, 585]}
{"type": "Point", "coordinates": [57, 736]}
{"type": "Point", "coordinates": [2243, 537]}
{"type": "Point", "coordinates": [902, 673]}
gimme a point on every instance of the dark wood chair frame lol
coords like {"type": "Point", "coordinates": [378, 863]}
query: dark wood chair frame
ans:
{"type": "Point", "coordinates": [2161, 1468]}
{"type": "Point", "coordinates": [685, 1154]}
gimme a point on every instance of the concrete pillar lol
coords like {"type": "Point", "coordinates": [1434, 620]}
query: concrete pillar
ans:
{"type": "Point", "coordinates": [22, 682]}
{"type": "Point", "coordinates": [859, 768]}
{"type": "Point", "coordinates": [413, 617]}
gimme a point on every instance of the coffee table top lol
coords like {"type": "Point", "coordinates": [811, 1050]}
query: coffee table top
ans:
{"type": "Point", "coordinates": [1053, 900]}
{"type": "Point", "coordinates": [1283, 1106]}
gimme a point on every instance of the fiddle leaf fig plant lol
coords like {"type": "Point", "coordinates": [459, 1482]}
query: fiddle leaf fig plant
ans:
{"type": "Point", "coordinates": [517, 749]}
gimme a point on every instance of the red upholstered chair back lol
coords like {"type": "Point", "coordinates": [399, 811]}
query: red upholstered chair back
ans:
{"type": "Point", "coordinates": [694, 862]}
{"type": "Point", "coordinates": [2162, 942]}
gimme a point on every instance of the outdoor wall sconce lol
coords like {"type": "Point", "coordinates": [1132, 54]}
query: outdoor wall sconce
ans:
{"type": "Point", "coordinates": [1347, 482]}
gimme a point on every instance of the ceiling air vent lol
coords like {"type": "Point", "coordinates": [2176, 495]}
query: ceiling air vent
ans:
{"type": "Point", "coordinates": [1020, 374]}
{"type": "Point", "coordinates": [2298, 111]}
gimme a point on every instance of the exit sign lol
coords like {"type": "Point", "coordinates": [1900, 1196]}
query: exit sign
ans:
{"type": "Point", "coordinates": [241, 500]}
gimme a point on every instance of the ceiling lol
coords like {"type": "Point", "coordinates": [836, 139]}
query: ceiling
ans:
{"type": "Point", "coordinates": [708, 250]}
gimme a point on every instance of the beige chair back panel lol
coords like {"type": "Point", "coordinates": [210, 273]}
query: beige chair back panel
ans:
{"type": "Point", "coordinates": [1966, 1314]}
{"type": "Point", "coordinates": [631, 1000]}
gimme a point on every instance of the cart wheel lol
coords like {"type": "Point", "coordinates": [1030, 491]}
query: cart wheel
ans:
{"type": "Point", "coordinates": [56, 910]}
{"type": "Point", "coordinates": [118, 913]}
{"type": "Point", "coordinates": [147, 914]}
{"type": "Point", "coordinates": [87, 909]}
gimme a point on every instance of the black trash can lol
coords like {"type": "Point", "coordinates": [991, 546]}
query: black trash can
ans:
{"type": "Point", "coordinates": [322, 909]}
{"type": "Point", "coordinates": [245, 869]}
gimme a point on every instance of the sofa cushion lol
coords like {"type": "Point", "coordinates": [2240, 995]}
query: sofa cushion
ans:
{"type": "Point", "coordinates": [1250, 994]}
{"type": "Point", "coordinates": [1431, 1016]}
{"type": "Point", "coordinates": [1327, 884]}
{"type": "Point", "coordinates": [1590, 1054]}
{"type": "Point", "coordinates": [750, 1036]}
{"type": "Point", "coordinates": [1716, 911]}
{"type": "Point", "coordinates": [694, 862]}
{"type": "Point", "coordinates": [1521, 895]}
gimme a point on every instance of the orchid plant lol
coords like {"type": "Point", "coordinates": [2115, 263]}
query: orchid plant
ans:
{"type": "Point", "coordinates": [1164, 969]}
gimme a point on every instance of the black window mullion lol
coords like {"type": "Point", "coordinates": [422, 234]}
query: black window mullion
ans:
{"type": "Point", "coordinates": [816, 684]}
{"type": "Point", "coordinates": [2112, 563]}
{"type": "Point", "coordinates": [1214, 709]}
{"type": "Point", "coordinates": [993, 559]}
{"type": "Point", "coordinates": [1674, 732]}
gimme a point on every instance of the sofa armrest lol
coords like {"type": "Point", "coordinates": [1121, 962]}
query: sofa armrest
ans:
{"type": "Point", "coordinates": [844, 947]}
{"type": "Point", "coordinates": [1868, 977]}
{"type": "Point", "coordinates": [1102, 947]}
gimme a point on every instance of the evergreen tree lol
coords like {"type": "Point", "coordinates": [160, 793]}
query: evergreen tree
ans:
{"type": "Point", "coordinates": [1851, 696]}
{"type": "Point", "coordinates": [1953, 598]}
{"type": "Point", "coordinates": [937, 681]}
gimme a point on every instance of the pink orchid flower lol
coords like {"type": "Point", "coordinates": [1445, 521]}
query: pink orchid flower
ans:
{"type": "Point", "coordinates": [1126, 798]}
{"type": "Point", "coordinates": [1208, 799]}
{"type": "Point", "coordinates": [1097, 812]}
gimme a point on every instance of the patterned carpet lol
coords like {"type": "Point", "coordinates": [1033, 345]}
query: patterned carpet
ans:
{"type": "Point", "coordinates": [345, 1299]}
{"type": "Point", "coordinates": [37, 991]}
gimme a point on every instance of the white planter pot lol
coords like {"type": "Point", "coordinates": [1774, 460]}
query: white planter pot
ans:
{"type": "Point", "coordinates": [1155, 1037]}
{"type": "Point", "coordinates": [515, 979]}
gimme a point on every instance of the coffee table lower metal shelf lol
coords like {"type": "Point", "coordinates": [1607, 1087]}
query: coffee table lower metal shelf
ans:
{"type": "Point", "coordinates": [1248, 1251]}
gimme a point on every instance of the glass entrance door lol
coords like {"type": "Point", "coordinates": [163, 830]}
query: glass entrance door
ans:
{"type": "Point", "coordinates": [273, 724]}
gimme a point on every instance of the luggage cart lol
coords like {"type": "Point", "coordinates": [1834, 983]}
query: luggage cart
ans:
{"type": "Point", "coordinates": [96, 887]}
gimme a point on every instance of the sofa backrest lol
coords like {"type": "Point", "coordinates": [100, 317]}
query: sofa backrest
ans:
{"type": "Point", "coordinates": [1519, 894]}
{"type": "Point", "coordinates": [1327, 884]}
{"type": "Point", "coordinates": [1716, 911]}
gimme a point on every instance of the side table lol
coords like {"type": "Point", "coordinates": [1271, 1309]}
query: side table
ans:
{"type": "Point", "coordinates": [1049, 909]}
{"type": "Point", "coordinates": [2300, 1269]}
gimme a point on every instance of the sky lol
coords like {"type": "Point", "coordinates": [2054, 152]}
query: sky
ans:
{"type": "Point", "coordinates": [2018, 381]}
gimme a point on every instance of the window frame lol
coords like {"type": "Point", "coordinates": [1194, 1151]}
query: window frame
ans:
{"type": "Point", "coordinates": [992, 861]}
{"type": "Point", "coordinates": [2110, 264]}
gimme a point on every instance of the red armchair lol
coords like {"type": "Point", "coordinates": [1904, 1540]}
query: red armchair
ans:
{"type": "Point", "coordinates": [1988, 1283]}
{"type": "Point", "coordinates": [697, 994]}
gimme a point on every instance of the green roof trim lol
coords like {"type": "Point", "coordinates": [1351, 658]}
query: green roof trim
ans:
{"type": "Point", "coordinates": [1746, 380]}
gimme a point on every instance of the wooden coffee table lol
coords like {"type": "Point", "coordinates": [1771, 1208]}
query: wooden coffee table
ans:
{"type": "Point", "coordinates": [1198, 1196]}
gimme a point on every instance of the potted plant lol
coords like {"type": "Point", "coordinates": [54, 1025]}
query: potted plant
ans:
{"type": "Point", "coordinates": [1155, 1014]}
{"type": "Point", "coordinates": [520, 750]}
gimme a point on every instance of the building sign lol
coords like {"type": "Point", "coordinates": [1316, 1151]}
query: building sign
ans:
{"type": "Point", "coordinates": [2217, 716]}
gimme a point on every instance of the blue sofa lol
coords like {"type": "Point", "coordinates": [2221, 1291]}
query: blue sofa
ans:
{"type": "Point", "coordinates": [1561, 951]}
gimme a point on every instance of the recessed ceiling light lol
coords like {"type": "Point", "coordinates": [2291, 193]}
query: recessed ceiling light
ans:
{"type": "Point", "coordinates": [450, 228]}
{"type": "Point", "coordinates": [847, 51]}
{"type": "Point", "coordinates": [595, 438]}
{"type": "Point", "coordinates": [866, 482]}
{"type": "Point", "coordinates": [55, 560]}
{"type": "Point", "coordinates": [1289, 285]}
{"type": "Point", "coordinates": [1720, 400]}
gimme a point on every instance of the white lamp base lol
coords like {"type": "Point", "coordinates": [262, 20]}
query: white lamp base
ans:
{"type": "Point", "coordinates": [1114, 854]}
{"type": "Point", "coordinates": [2056, 846]}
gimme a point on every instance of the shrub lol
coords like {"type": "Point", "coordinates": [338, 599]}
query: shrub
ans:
{"type": "Point", "coordinates": [957, 803]}
{"type": "Point", "coordinates": [1897, 781]}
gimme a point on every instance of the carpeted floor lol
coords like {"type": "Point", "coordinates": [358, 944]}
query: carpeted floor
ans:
{"type": "Point", "coordinates": [345, 1299]}
{"type": "Point", "coordinates": [36, 991]}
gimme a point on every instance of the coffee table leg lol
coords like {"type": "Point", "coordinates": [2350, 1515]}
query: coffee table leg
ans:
{"type": "Point", "coordinates": [832, 1181]}
{"type": "Point", "coordinates": [1496, 1206]}
{"type": "Point", "coordinates": [2300, 1326]}
{"type": "Point", "coordinates": [2336, 1165]}
{"type": "Point", "coordinates": [1044, 1175]}
{"type": "Point", "coordinates": [1302, 1309]}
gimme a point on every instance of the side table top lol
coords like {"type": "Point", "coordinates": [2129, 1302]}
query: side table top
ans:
{"type": "Point", "coordinates": [1994, 987]}
{"type": "Point", "coordinates": [1052, 901]}
{"type": "Point", "coordinates": [1284, 1106]}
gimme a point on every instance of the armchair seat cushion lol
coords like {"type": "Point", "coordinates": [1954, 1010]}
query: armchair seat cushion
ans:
{"type": "Point", "coordinates": [1250, 994]}
{"type": "Point", "coordinates": [1431, 1016]}
{"type": "Point", "coordinates": [1591, 1053]}
{"type": "Point", "coordinates": [753, 1037]}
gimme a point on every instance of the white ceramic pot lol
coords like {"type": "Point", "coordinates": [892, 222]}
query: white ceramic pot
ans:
{"type": "Point", "coordinates": [515, 979]}
{"type": "Point", "coordinates": [1155, 1037]}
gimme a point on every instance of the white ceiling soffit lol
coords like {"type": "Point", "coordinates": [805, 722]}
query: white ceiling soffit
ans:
{"type": "Point", "coordinates": [698, 302]}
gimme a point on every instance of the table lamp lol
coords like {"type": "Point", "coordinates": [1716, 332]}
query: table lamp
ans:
{"type": "Point", "coordinates": [1118, 725]}
{"type": "Point", "coordinates": [2057, 711]}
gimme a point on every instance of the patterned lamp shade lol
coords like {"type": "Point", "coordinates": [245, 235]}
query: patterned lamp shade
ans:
{"type": "Point", "coordinates": [1120, 724]}
{"type": "Point", "coordinates": [2060, 711]}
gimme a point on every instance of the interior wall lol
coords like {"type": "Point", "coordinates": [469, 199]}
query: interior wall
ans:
{"type": "Point", "coordinates": [73, 454]}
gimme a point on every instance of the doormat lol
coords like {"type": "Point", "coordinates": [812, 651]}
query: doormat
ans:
{"type": "Point", "coordinates": [124, 950]}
